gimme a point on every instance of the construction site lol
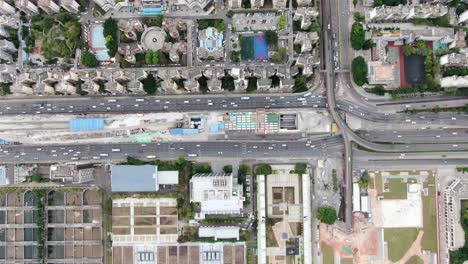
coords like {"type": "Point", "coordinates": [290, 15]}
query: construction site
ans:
{"type": "Point", "coordinates": [394, 221]}
{"type": "Point", "coordinates": [161, 127]}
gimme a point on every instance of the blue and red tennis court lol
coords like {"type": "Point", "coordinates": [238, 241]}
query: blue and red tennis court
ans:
{"type": "Point", "coordinates": [254, 48]}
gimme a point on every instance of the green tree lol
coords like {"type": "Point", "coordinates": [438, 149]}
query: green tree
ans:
{"type": "Point", "coordinates": [358, 17]}
{"type": "Point", "coordinates": [89, 59]}
{"type": "Point", "coordinates": [149, 57]}
{"type": "Point", "coordinates": [110, 27]}
{"type": "Point", "coordinates": [314, 27]}
{"type": "Point", "coordinates": [359, 69]}
{"type": "Point", "coordinates": [271, 37]}
{"type": "Point", "coordinates": [220, 26]}
{"type": "Point", "coordinates": [110, 33]}
{"type": "Point", "coordinates": [263, 169]}
{"type": "Point", "coordinates": [327, 214]}
{"type": "Point", "coordinates": [364, 181]}
{"type": "Point", "coordinates": [230, 13]}
{"type": "Point", "coordinates": [150, 84]}
{"type": "Point", "coordinates": [158, 20]}
{"type": "Point", "coordinates": [234, 55]}
{"type": "Point", "coordinates": [378, 3]}
{"type": "Point", "coordinates": [227, 169]}
{"type": "Point", "coordinates": [355, 3]}
{"type": "Point", "coordinates": [155, 59]}
{"type": "Point", "coordinates": [279, 55]}
{"type": "Point", "coordinates": [357, 36]}
{"type": "Point", "coordinates": [251, 84]}
{"type": "Point", "coordinates": [282, 21]}
{"type": "Point", "coordinates": [368, 44]}
{"type": "Point", "coordinates": [5, 89]}
{"type": "Point", "coordinates": [300, 168]}
{"type": "Point", "coordinates": [300, 83]}
{"type": "Point", "coordinates": [378, 90]}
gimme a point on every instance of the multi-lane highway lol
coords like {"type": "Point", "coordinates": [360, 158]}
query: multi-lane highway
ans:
{"type": "Point", "coordinates": [158, 104]}
{"type": "Point", "coordinates": [454, 136]}
{"type": "Point", "coordinates": [326, 147]}
{"type": "Point", "coordinates": [216, 103]}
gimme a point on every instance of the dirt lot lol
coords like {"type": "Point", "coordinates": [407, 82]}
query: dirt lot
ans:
{"type": "Point", "coordinates": [168, 211]}
{"type": "Point", "coordinates": [403, 244]}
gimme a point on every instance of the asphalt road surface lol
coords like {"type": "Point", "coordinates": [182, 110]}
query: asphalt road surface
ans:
{"type": "Point", "coordinates": [158, 104]}
{"type": "Point", "coordinates": [457, 135]}
{"type": "Point", "coordinates": [327, 147]}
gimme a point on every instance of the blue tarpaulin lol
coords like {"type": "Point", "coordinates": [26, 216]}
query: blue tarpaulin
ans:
{"type": "Point", "coordinates": [183, 131]}
{"type": "Point", "coordinates": [86, 124]}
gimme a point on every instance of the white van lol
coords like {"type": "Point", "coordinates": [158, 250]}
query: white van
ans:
{"type": "Point", "coordinates": [115, 150]}
{"type": "Point", "coordinates": [104, 155]}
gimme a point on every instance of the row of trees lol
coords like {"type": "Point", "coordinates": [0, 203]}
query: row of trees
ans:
{"type": "Point", "coordinates": [152, 57]}
{"type": "Point", "coordinates": [206, 23]}
{"type": "Point", "coordinates": [431, 67]}
{"type": "Point", "coordinates": [456, 72]}
{"type": "Point", "coordinates": [461, 255]}
{"type": "Point", "coordinates": [110, 33]}
{"type": "Point", "coordinates": [389, 2]}
{"type": "Point", "coordinates": [442, 21]}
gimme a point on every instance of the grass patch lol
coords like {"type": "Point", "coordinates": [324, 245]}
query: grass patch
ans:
{"type": "Point", "coordinates": [271, 240]}
{"type": "Point", "coordinates": [399, 240]}
{"type": "Point", "coordinates": [429, 240]}
{"type": "Point", "coordinates": [346, 261]}
{"type": "Point", "coordinates": [328, 256]}
{"type": "Point", "coordinates": [415, 260]}
{"type": "Point", "coordinates": [397, 188]}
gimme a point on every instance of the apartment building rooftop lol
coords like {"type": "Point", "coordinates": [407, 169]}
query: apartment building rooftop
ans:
{"type": "Point", "coordinates": [217, 193]}
{"type": "Point", "coordinates": [405, 12]}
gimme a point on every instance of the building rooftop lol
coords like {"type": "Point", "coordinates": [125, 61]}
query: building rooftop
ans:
{"type": "Point", "coordinates": [219, 232]}
{"type": "Point", "coordinates": [129, 178]}
{"type": "Point", "coordinates": [217, 193]}
{"type": "Point", "coordinates": [145, 178]}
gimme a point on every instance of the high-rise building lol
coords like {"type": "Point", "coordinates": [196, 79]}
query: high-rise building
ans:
{"type": "Point", "coordinates": [70, 5]}
{"type": "Point", "coordinates": [7, 46]}
{"type": "Point", "coordinates": [27, 6]}
{"type": "Point", "coordinates": [9, 21]}
{"type": "Point", "coordinates": [106, 5]}
{"type": "Point", "coordinates": [6, 8]}
{"type": "Point", "coordinates": [49, 6]}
